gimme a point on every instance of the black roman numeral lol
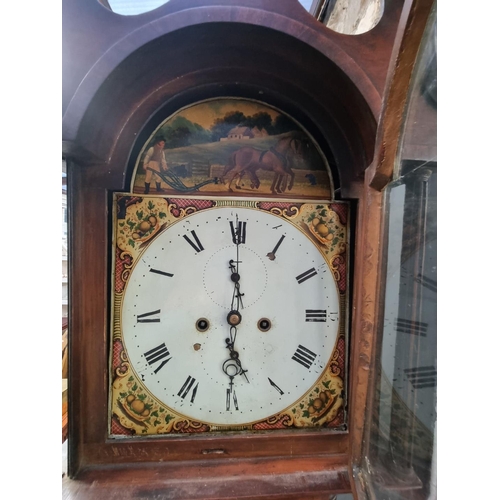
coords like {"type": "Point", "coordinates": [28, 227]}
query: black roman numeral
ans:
{"type": "Point", "coordinates": [163, 273]}
{"type": "Point", "coordinates": [197, 246]}
{"type": "Point", "coordinates": [421, 377]}
{"type": "Point", "coordinates": [305, 276]}
{"type": "Point", "coordinates": [187, 387]}
{"type": "Point", "coordinates": [304, 356]}
{"type": "Point", "coordinates": [229, 392]}
{"type": "Point", "coordinates": [275, 386]}
{"type": "Point", "coordinates": [239, 233]}
{"type": "Point", "coordinates": [316, 315]}
{"type": "Point", "coordinates": [143, 318]}
{"type": "Point", "coordinates": [157, 354]}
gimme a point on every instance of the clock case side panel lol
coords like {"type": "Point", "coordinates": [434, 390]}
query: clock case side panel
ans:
{"type": "Point", "coordinates": [88, 313]}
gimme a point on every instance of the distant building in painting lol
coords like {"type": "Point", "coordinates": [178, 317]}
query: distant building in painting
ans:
{"type": "Point", "coordinates": [240, 132]}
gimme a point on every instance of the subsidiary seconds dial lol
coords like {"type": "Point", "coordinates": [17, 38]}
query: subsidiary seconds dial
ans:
{"type": "Point", "coordinates": [230, 316]}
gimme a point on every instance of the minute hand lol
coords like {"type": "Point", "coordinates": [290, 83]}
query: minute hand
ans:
{"type": "Point", "coordinates": [238, 232]}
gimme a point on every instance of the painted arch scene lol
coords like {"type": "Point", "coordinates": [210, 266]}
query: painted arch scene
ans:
{"type": "Point", "coordinates": [232, 147]}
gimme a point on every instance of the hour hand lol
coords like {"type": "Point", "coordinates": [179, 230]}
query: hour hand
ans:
{"type": "Point", "coordinates": [238, 294]}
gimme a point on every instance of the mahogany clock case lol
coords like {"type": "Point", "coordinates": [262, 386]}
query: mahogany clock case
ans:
{"type": "Point", "coordinates": [347, 92]}
{"type": "Point", "coordinates": [119, 119]}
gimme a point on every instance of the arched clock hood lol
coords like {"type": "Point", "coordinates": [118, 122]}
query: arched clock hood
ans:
{"type": "Point", "coordinates": [149, 66]}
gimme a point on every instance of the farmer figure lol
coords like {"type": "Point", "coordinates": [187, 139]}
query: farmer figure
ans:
{"type": "Point", "coordinates": [154, 161]}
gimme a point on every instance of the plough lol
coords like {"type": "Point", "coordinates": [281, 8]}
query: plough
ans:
{"type": "Point", "coordinates": [175, 183]}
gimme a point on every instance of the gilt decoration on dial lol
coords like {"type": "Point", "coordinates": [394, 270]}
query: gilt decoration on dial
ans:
{"type": "Point", "coordinates": [227, 315]}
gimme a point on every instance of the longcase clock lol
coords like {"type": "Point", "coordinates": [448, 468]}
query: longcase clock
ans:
{"type": "Point", "coordinates": [223, 245]}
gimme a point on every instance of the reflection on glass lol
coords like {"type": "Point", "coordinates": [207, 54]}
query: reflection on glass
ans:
{"type": "Point", "coordinates": [404, 413]}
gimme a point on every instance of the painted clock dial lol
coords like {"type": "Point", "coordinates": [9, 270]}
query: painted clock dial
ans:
{"type": "Point", "coordinates": [218, 368]}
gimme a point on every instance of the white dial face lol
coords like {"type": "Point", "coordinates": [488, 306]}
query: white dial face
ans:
{"type": "Point", "coordinates": [175, 316]}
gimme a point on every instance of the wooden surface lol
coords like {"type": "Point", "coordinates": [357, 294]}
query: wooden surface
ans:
{"type": "Point", "coordinates": [365, 309]}
{"type": "Point", "coordinates": [111, 38]}
{"type": "Point", "coordinates": [412, 24]}
{"type": "Point", "coordinates": [290, 479]}
{"type": "Point", "coordinates": [64, 379]}
{"type": "Point", "coordinates": [65, 410]}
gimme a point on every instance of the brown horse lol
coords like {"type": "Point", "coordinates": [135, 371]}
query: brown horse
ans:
{"type": "Point", "coordinates": [277, 159]}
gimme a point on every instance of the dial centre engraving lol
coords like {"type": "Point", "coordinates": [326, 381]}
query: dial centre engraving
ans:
{"type": "Point", "coordinates": [218, 280]}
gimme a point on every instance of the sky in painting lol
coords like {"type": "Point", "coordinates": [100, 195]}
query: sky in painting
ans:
{"type": "Point", "coordinates": [205, 113]}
